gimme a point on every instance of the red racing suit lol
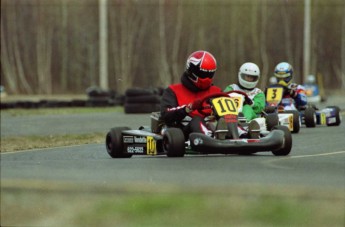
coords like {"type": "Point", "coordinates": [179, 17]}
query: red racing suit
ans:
{"type": "Point", "coordinates": [177, 96]}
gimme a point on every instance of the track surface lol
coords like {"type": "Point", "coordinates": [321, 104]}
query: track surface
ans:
{"type": "Point", "coordinates": [317, 160]}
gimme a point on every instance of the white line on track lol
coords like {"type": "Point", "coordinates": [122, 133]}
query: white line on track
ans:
{"type": "Point", "coordinates": [315, 155]}
{"type": "Point", "coordinates": [271, 161]}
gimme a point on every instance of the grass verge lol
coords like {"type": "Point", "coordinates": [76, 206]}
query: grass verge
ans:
{"type": "Point", "coordinates": [16, 143]}
{"type": "Point", "coordinates": [10, 144]}
{"type": "Point", "coordinates": [143, 205]}
{"type": "Point", "coordinates": [56, 204]}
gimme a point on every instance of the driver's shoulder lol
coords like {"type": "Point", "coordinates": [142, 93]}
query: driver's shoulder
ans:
{"type": "Point", "coordinates": [232, 87]}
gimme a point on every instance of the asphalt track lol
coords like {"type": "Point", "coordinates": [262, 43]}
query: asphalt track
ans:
{"type": "Point", "coordinates": [317, 159]}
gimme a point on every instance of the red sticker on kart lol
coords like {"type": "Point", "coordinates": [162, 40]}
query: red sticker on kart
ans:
{"type": "Point", "coordinates": [225, 106]}
{"type": "Point", "coordinates": [230, 118]}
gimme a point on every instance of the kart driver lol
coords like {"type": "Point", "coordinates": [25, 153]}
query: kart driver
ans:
{"type": "Point", "coordinates": [284, 74]}
{"type": "Point", "coordinates": [248, 78]}
{"type": "Point", "coordinates": [181, 101]}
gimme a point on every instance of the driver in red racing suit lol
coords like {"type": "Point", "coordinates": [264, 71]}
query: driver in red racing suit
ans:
{"type": "Point", "coordinates": [181, 101]}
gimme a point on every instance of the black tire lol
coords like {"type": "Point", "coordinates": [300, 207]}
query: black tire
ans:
{"type": "Point", "coordinates": [143, 99]}
{"type": "Point", "coordinates": [141, 107]}
{"type": "Point", "coordinates": [270, 109]}
{"type": "Point", "coordinates": [271, 121]}
{"type": "Point", "coordinates": [285, 150]}
{"type": "Point", "coordinates": [78, 103]}
{"type": "Point", "coordinates": [174, 142]}
{"type": "Point", "coordinates": [99, 102]}
{"type": "Point", "coordinates": [337, 116]}
{"type": "Point", "coordinates": [310, 117]}
{"type": "Point", "coordinates": [138, 92]}
{"type": "Point", "coordinates": [114, 143]}
{"type": "Point", "coordinates": [296, 120]}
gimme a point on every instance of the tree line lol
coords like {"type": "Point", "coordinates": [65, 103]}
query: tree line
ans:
{"type": "Point", "coordinates": [52, 46]}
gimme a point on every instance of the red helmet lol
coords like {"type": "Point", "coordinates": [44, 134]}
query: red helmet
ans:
{"type": "Point", "coordinates": [201, 66]}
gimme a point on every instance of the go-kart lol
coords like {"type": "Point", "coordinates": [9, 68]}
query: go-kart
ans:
{"type": "Point", "coordinates": [265, 120]}
{"type": "Point", "coordinates": [329, 116]}
{"type": "Point", "coordinates": [123, 142]}
{"type": "Point", "coordinates": [288, 115]}
{"type": "Point", "coordinates": [313, 93]}
{"type": "Point", "coordinates": [309, 115]}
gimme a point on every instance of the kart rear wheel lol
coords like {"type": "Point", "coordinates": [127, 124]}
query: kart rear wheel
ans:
{"type": "Point", "coordinates": [310, 117]}
{"type": "Point", "coordinates": [337, 116]}
{"type": "Point", "coordinates": [296, 120]}
{"type": "Point", "coordinates": [114, 143]}
{"type": "Point", "coordinates": [174, 142]}
{"type": "Point", "coordinates": [270, 109]}
{"type": "Point", "coordinates": [285, 150]}
{"type": "Point", "coordinates": [271, 121]}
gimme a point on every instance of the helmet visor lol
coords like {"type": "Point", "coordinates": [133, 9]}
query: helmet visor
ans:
{"type": "Point", "coordinates": [203, 74]}
{"type": "Point", "coordinates": [286, 79]}
{"type": "Point", "coordinates": [249, 78]}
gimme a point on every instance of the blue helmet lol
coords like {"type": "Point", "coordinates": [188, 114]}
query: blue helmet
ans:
{"type": "Point", "coordinates": [284, 73]}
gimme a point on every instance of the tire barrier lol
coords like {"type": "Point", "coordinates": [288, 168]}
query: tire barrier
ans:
{"type": "Point", "coordinates": [96, 97]}
{"type": "Point", "coordinates": [102, 98]}
{"type": "Point", "coordinates": [142, 100]}
{"type": "Point", "coordinates": [91, 102]}
{"type": "Point", "coordinates": [135, 100]}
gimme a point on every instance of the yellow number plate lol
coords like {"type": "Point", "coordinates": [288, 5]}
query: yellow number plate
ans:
{"type": "Point", "coordinates": [151, 146]}
{"type": "Point", "coordinates": [323, 118]}
{"type": "Point", "coordinates": [225, 105]}
{"type": "Point", "coordinates": [291, 122]}
{"type": "Point", "coordinates": [274, 94]}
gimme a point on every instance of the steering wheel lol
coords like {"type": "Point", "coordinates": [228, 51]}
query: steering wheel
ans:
{"type": "Point", "coordinates": [205, 107]}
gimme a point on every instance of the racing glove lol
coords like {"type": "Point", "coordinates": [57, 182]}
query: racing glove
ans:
{"type": "Point", "coordinates": [293, 93]}
{"type": "Point", "coordinates": [197, 104]}
{"type": "Point", "coordinates": [248, 101]}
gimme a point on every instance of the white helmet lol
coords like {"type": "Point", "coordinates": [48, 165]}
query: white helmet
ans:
{"type": "Point", "coordinates": [311, 79]}
{"type": "Point", "coordinates": [249, 75]}
{"type": "Point", "coordinates": [273, 80]}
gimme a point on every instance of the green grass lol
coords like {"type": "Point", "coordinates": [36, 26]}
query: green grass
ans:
{"type": "Point", "coordinates": [154, 206]}
{"type": "Point", "coordinates": [29, 203]}
{"type": "Point", "coordinates": [10, 144]}
{"type": "Point", "coordinates": [15, 143]}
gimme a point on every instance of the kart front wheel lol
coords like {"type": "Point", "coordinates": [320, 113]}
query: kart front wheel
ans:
{"type": "Point", "coordinates": [286, 148]}
{"type": "Point", "coordinates": [174, 142]}
{"type": "Point", "coordinates": [336, 110]}
{"type": "Point", "coordinates": [296, 120]}
{"type": "Point", "coordinates": [271, 121]}
{"type": "Point", "coordinates": [310, 117]}
{"type": "Point", "coordinates": [114, 143]}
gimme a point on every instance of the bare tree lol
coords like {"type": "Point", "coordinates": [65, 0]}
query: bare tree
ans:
{"type": "Point", "coordinates": [265, 69]}
{"type": "Point", "coordinates": [12, 58]}
{"type": "Point", "coordinates": [52, 46]}
{"type": "Point", "coordinates": [176, 43]}
{"type": "Point", "coordinates": [64, 47]}
{"type": "Point", "coordinates": [7, 59]}
{"type": "Point", "coordinates": [44, 51]}
{"type": "Point", "coordinates": [164, 72]}
{"type": "Point", "coordinates": [287, 33]}
{"type": "Point", "coordinates": [342, 73]}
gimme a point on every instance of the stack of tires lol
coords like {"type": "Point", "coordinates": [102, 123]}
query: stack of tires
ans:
{"type": "Point", "coordinates": [98, 97]}
{"type": "Point", "coordinates": [142, 100]}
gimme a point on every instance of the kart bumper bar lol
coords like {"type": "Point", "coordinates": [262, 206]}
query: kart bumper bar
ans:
{"type": "Point", "coordinates": [205, 144]}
